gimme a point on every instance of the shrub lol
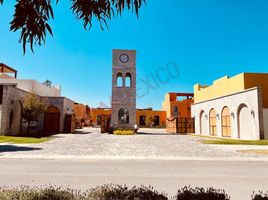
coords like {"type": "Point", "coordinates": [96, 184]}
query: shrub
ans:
{"type": "Point", "coordinates": [188, 193]}
{"type": "Point", "coordinates": [106, 192]}
{"type": "Point", "coordinates": [117, 192]}
{"type": "Point", "coordinates": [259, 196]}
{"type": "Point", "coordinates": [124, 132]}
{"type": "Point", "coordinates": [49, 193]}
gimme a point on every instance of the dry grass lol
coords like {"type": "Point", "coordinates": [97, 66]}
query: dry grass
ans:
{"type": "Point", "coordinates": [255, 151]}
{"type": "Point", "coordinates": [227, 141]}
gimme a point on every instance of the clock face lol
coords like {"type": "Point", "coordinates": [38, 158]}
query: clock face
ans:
{"type": "Point", "coordinates": [124, 58]}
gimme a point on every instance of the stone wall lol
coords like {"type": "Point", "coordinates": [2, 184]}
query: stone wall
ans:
{"type": "Point", "coordinates": [124, 96]}
{"type": "Point", "coordinates": [11, 103]}
{"type": "Point", "coordinates": [11, 122]}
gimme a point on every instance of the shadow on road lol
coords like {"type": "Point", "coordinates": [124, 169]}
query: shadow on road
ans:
{"type": "Point", "coordinates": [163, 134]}
{"type": "Point", "coordinates": [82, 132]}
{"type": "Point", "coordinates": [14, 148]}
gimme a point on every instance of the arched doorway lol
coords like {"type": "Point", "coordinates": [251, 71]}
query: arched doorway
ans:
{"type": "Point", "coordinates": [203, 127]}
{"type": "Point", "coordinates": [123, 116]}
{"type": "Point", "coordinates": [52, 120]}
{"type": "Point", "coordinates": [244, 123]}
{"type": "Point", "coordinates": [226, 122]}
{"type": "Point", "coordinates": [212, 122]}
{"type": "Point", "coordinates": [17, 118]}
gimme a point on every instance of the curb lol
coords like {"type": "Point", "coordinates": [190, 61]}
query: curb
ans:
{"type": "Point", "coordinates": [162, 158]}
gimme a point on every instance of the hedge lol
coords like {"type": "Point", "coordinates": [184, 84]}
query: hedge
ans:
{"type": "Point", "coordinates": [114, 192]}
{"type": "Point", "coordinates": [259, 196]}
{"type": "Point", "coordinates": [188, 193]}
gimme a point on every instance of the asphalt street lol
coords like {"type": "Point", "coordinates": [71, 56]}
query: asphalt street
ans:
{"type": "Point", "coordinates": [238, 178]}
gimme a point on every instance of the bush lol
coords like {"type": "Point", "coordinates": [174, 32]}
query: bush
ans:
{"type": "Point", "coordinates": [114, 192]}
{"type": "Point", "coordinates": [188, 193]}
{"type": "Point", "coordinates": [124, 132]}
{"type": "Point", "coordinates": [259, 196]}
{"type": "Point", "coordinates": [106, 192]}
{"type": "Point", "coordinates": [50, 193]}
{"type": "Point", "coordinates": [117, 192]}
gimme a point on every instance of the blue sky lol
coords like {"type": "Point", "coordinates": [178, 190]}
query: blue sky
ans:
{"type": "Point", "coordinates": [204, 40]}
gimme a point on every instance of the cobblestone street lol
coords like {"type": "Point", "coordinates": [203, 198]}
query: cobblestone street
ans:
{"type": "Point", "coordinates": [148, 143]}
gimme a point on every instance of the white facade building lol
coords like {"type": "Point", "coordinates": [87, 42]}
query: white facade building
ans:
{"type": "Point", "coordinates": [246, 115]}
{"type": "Point", "coordinates": [235, 107]}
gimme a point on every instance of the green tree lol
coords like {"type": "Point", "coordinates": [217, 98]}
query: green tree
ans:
{"type": "Point", "coordinates": [33, 106]}
{"type": "Point", "coordinates": [31, 16]}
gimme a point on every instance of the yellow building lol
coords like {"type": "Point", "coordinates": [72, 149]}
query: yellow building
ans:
{"type": "Point", "coordinates": [234, 107]}
{"type": "Point", "coordinates": [225, 86]}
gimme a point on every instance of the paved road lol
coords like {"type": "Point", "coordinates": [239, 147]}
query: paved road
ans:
{"type": "Point", "coordinates": [238, 178]}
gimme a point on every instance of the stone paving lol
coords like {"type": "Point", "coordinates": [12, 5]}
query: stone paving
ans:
{"type": "Point", "coordinates": [150, 143]}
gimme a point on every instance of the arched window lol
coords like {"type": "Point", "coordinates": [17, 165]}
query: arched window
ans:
{"type": "Point", "coordinates": [212, 122]}
{"type": "Point", "coordinates": [128, 81]}
{"type": "Point", "coordinates": [226, 122]}
{"type": "Point", "coordinates": [123, 116]}
{"type": "Point", "coordinates": [119, 80]}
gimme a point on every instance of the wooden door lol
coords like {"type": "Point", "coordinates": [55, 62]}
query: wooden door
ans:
{"type": "Point", "coordinates": [52, 120]}
{"type": "Point", "coordinates": [212, 123]}
{"type": "Point", "coordinates": [226, 122]}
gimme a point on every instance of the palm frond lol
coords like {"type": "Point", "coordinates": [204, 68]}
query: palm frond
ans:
{"type": "Point", "coordinates": [102, 10]}
{"type": "Point", "coordinates": [31, 17]}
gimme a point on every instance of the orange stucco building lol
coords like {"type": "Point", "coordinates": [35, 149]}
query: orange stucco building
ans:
{"type": "Point", "coordinates": [82, 112]}
{"type": "Point", "coordinates": [95, 115]}
{"type": "Point", "coordinates": [175, 104]}
{"type": "Point", "coordinates": [142, 116]}
{"type": "Point", "coordinates": [178, 104]}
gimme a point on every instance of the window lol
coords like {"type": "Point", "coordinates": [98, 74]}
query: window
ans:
{"type": "Point", "coordinates": [226, 122]}
{"type": "Point", "coordinates": [175, 111]}
{"type": "Point", "coordinates": [128, 82]}
{"type": "Point", "coordinates": [181, 98]}
{"type": "Point", "coordinates": [142, 120]}
{"type": "Point", "coordinates": [156, 121]}
{"type": "Point", "coordinates": [119, 80]}
{"type": "Point", "coordinates": [98, 120]}
{"type": "Point", "coordinates": [123, 116]}
{"type": "Point", "coordinates": [212, 122]}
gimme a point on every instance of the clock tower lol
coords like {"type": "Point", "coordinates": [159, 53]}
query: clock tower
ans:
{"type": "Point", "coordinates": [124, 89]}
